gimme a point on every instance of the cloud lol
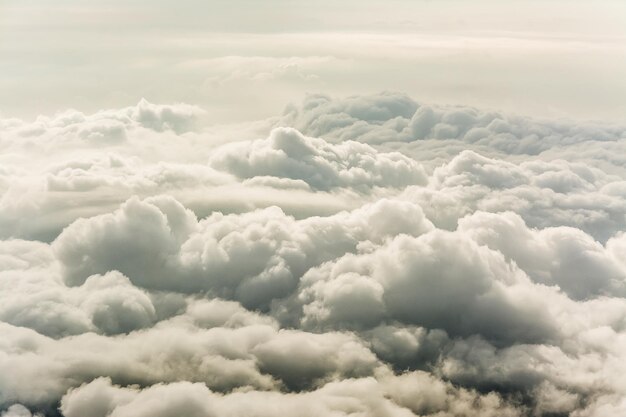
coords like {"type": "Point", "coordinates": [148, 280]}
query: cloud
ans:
{"type": "Point", "coordinates": [372, 256]}
{"type": "Point", "coordinates": [561, 256]}
{"type": "Point", "coordinates": [392, 117]}
{"type": "Point", "coordinates": [178, 253]}
{"type": "Point", "coordinates": [97, 245]}
{"type": "Point", "coordinates": [18, 410]}
{"type": "Point", "coordinates": [106, 127]}
{"type": "Point", "coordinates": [289, 154]}
{"type": "Point", "coordinates": [38, 201]}
{"type": "Point", "coordinates": [544, 194]}
{"type": "Point", "coordinates": [393, 301]}
{"type": "Point", "coordinates": [34, 297]}
{"type": "Point", "coordinates": [179, 118]}
{"type": "Point", "coordinates": [222, 356]}
{"type": "Point", "coordinates": [400, 396]}
{"type": "Point", "coordinates": [431, 281]}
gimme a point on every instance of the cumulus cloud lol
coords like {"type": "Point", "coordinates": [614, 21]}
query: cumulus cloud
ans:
{"type": "Point", "coordinates": [544, 194]}
{"type": "Point", "coordinates": [373, 256]}
{"type": "Point", "coordinates": [392, 117]}
{"type": "Point", "coordinates": [289, 154]}
{"type": "Point", "coordinates": [107, 126]}
{"type": "Point", "coordinates": [440, 280]}
{"type": "Point", "coordinates": [561, 256]}
{"type": "Point", "coordinates": [178, 253]}
{"type": "Point", "coordinates": [402, 396]}
{"type": "Point", "coordinates": [18, 410]}
{"type": "Point", "coordinates": [34, 296]}
{"type": "Point", "coordinates": [233, 177]}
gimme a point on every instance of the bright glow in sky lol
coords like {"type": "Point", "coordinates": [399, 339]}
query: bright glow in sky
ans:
{"type": "Point", "coordinates": [248, 59]}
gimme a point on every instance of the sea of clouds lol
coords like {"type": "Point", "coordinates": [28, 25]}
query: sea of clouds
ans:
{"type": "Point", "coordinates": [364, 256]}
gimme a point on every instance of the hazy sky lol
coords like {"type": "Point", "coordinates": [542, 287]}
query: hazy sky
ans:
{"type": "Point", "coordinates": [248, 59]}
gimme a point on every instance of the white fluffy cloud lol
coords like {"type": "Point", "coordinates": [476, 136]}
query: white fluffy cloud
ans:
{"type": "Point", "coordinates": [108, 126]}
{"type": "Point", "coordinates": [379, 257]}
{"type": "Point", "coordinates": [544, 194]}
{"type": "Point", "coordinates": [561, 256]}
{"type": "Point", "coordinates": [288, 154]}
{"type": "Point", "coordinates": [440, 280]}
{"type": "Point", "coordinates": [160, 245]}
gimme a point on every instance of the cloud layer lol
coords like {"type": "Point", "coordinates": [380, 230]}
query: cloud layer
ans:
{"type": "Point", "coordinates": [371, 256]}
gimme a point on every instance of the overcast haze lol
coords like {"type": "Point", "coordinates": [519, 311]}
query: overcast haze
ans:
{"type": "Point", "coordinates": [289, 208]}
{"type": "Point", "coordinates": [247, 59]}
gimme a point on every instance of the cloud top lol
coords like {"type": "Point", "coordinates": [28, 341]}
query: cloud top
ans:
{"type": "Point", "coordinates": [372, 256]}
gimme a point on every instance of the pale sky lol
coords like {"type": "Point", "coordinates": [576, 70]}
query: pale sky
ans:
{"type": "Point", "coordinates": [243, 60]}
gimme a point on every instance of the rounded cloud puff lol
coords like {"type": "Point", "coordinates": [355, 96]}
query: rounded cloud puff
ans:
{"type": "Point", "coordinates": [160, 245]}
{"type": "Point", "coordinates": [289, 154]}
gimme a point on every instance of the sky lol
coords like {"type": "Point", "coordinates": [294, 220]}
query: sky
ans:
{"type": "Point", "coordinates": [333, 208]}
{"type": "Point", "coordinates": [244, 60]}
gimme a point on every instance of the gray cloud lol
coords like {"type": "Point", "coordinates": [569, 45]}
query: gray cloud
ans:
{"type": "Point", "coordinates": [400, 396]}
{"type": "Point", "coordinates": [18, 410]}
{"type": "Point", "coordinates": [439, 280]}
